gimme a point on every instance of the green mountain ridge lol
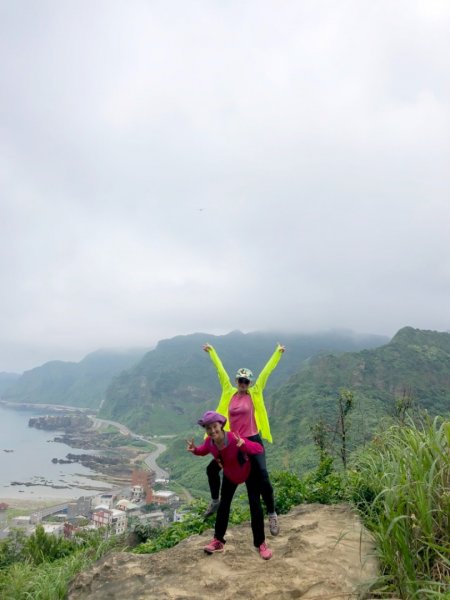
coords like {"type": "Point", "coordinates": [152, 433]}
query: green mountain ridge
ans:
{"type": "Point", "coordinates": [80, 384]}
{"type": "Point", "coordinates": [415, 363]}
{"type": "Point", "coordinates": [176, 381]}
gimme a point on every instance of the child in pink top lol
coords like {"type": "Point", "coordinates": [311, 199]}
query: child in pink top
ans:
{"type": "Point", "coordinates": [231, 451]}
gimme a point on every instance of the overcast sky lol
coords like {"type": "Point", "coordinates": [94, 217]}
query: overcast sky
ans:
{"type": "Point", "coordinates": [171, 167]}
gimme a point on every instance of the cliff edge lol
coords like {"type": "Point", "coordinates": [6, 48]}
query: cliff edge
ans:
{"type": "Point", "coordinates": [322, 552]}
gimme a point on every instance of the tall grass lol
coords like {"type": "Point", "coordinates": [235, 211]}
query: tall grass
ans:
{"type": "Point", "coordinates": [402, 487]}
{"type": "Point", "coordinates": [49, 580]}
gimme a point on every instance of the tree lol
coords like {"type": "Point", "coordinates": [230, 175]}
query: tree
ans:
{"type": "Point", "coordinates": [345, 405]}
{"type": "Point", "coordinates": [320, 431]}
{"type": "Point", "coordinates": [11, 548]}
{"type": "Point", "coordinates": [404, 405]}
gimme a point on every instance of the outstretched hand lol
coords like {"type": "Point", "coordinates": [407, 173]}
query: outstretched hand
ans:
{"type": "Point", "coordinates": [190, 446]}
{"type": "Point", "coordinates": [281, 348]}
{"type": "Point", "coordinates": [207, 347]}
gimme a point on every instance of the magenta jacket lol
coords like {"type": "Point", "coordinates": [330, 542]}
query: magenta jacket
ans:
{"type": "Point", "coordinates": [228, 456]}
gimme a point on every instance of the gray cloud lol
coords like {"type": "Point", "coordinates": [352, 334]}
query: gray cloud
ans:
{"type": "Point", "coordinates": [172, 167]}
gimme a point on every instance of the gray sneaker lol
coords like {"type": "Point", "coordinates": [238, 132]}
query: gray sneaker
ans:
{"type": "Point", "coordinates": [273, 524]}
{"type": "Point", "coordinates": [212, 508]}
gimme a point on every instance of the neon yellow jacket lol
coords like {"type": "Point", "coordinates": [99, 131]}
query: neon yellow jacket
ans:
{"type": "Point", "coordinates": [255, 391]}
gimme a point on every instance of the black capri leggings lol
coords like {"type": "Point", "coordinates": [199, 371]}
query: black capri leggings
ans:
{"type": "Point", "coordinates": [223, 513]}
{"type": "Point", "coordinates": [259, 469]}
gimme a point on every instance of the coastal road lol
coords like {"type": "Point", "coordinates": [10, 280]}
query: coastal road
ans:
{"type": "Point", "coordinates": [150, 459]}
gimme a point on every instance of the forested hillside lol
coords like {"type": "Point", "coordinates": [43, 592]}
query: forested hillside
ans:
{"type": "Point", "coordinates": [73, 384]}
{"type": "Point", "coordinates": [414, 367]}
{"type": "Point", "coordinates": [176, 381]}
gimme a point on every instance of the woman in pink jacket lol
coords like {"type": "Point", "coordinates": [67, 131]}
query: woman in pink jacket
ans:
{"type": "Point", "coordinates": [232, 452]}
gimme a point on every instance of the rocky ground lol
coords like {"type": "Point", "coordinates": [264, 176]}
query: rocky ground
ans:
{"type": "Point", "coordinates": [322, 552]}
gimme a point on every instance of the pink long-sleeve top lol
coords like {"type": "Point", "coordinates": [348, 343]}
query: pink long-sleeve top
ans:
{"type": "Point", "coordinates": [228, 456]}
{"type": "Point", "coordinates": [241, 413]}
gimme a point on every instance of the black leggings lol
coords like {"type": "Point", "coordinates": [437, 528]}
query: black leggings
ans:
{"type": "Point", "coordinates": [223, 512]}
{"type": "Point", "coordinates": [259, 469]}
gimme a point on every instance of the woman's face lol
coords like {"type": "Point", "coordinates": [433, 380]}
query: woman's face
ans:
{"type": "Point", "coordinates": [214, 431]}
{"type": "Point", "coordinates": [242, 384]}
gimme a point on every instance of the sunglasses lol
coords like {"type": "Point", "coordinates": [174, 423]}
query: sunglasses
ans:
{"type": "Point", "coordinates": [244, 380]}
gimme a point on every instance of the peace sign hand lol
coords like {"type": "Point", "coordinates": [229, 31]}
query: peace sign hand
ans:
{"type": "Point", "coordinates": [190, 446]}
{"type": "Point", "coordinates": [239, 441]}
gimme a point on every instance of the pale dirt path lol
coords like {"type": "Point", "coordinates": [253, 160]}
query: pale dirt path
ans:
{"type": "Point", "coordinates": [322, 553]}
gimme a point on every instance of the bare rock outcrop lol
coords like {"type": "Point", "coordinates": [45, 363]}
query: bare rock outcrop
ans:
{"type": "Point", "coordinates": [322, 552]}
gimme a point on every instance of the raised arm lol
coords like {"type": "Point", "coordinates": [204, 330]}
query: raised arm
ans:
{"type": "Point", "coordinates": [270, 366]}
{"type": "Point", "coordinates": [201, 450]}
{"type": "Point", "coordinates": [224, 379]}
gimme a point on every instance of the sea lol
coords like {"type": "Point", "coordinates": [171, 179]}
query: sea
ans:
{"type": "Point", "coordinates": [26, 456]}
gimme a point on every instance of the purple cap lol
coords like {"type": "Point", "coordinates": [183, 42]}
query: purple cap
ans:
{"type": "Point", "coordinates": [211, 417]}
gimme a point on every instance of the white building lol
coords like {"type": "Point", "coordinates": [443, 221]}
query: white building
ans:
{"type": "Point", "coordinates": [22, 521]}
{"type": "Point", "coordinates": [165, 497]}
{"type": "Point", "coordinates": [129, 507]}
{"type": "Point", "coordinates": [179, 515]}
{"type": "Point", "coordinates": [116, 520]}
{"type": "Point", "coordinates": [54, 528]}
{"type": "Point", "coordinates": [102, 500]}
{"type": "Point", "coordinates": [154, 518]}
{"type": "Point", "coordinates": [137, 493]}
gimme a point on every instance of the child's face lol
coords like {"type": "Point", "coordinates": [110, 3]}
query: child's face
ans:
{"type": "Point", "coordinates": [214, 431]}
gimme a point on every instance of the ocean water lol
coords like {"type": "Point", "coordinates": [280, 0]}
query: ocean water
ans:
{"type": "Point", "coordinates": [31, 461]}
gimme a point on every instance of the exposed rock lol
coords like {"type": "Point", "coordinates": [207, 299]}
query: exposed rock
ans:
{"type": "Point", "coordinates": [322, 552]}
{"type": "Point", "coordinates": [72, 422]}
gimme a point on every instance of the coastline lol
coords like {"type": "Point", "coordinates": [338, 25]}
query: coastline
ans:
{"type": "Point", "coordinates": [116, 451]}
{"type": "Point", "coordinates": [30, 504]}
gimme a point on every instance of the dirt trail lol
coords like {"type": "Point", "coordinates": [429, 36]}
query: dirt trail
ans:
{"type": "Point", "coordinates": [321, 553]}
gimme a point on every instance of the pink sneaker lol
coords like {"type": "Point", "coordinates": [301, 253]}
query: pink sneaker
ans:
{"type": "Point", "coordinates": [264, 551]}
{"type": "Point", "coordinates": [214, 546]}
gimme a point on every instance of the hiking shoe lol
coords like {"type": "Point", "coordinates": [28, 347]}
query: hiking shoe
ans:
{"type": "Point", "coordinates": [265, 552]}
{"type": "Point", "coordinates": [273, 524]}
{"type": "Point", "coordinates": [212, 508]}
{"type": "Point", "coordinates": [214, 546]}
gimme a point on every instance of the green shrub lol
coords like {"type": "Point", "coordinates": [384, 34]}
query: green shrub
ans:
{"type": "Point", "coordinates": [325, 485]}
{"type": "Point", "coordinates": [43, 547]}
{"type": "Point", "coordinates": [289, 490]}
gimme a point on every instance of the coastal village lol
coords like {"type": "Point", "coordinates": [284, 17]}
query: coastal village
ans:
{"type": "Point", "coordinates": [137, 496]}
{"type": "Point", "coordinates": [117, 511]}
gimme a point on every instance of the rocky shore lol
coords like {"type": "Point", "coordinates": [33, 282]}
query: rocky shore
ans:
{"type": "Point", "coordinates": [115, 454]}
{"type": "Point", "coordinates": [69, 422]}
